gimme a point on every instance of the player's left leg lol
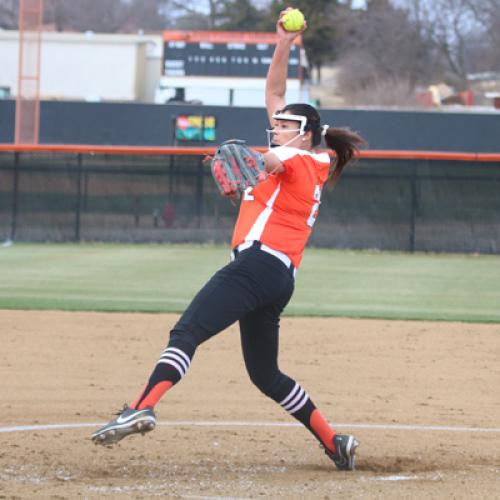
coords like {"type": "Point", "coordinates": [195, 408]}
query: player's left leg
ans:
{"type": "Point", "coordinates": [245, 284]}
{"type": "Point", "coordinates": [259, 337]}
{"type": "Point", "coordinates": [226, 297]}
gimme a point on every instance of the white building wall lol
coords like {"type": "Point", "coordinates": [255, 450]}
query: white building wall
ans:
{"type": "Point", "coordinates": [84, 66]}
{"type": "Point", "coordinates": [8, 60]}
{"type": "Point", "coordinates": [152, 71]}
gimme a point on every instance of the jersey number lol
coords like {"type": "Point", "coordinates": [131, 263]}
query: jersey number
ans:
{"type": "Point", "coordinates": [246, 194]}
{"type": "Point", "coordinates": [315, 207]}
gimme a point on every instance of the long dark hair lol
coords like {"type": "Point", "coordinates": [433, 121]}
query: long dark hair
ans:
{"type": "Point", "coordinates": [343, 141]}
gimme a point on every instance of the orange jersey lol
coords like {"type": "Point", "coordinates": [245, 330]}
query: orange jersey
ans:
{"type": "Point", "coordinates": [281, 211]}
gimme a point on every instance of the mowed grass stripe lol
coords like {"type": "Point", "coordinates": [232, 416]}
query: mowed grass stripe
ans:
{"type": "Point", "coordinates": [164, 278]}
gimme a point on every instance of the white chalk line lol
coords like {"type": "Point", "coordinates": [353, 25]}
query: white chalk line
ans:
{"type": "Point", "coordinates": [237, 423]}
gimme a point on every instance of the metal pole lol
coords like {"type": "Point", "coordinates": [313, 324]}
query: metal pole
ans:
{"type": "Point", "coordinates": [413, 207]}
{"type": "Point", "coordinates": [85, 190]}
{"type": "Point", "coordinates": [79, 197]}
{"type": "Point", "coordinates": [170, 175]}
{"type": "Point", "coordinates": [15, 197]}
{"type": "Point", "coordinates": [199, 190]}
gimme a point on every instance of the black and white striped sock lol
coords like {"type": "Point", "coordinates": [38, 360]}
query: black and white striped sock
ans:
{"type": "Point", "coordinates": [170, 369]}
{"type": "Point", "coordinates": [178, 360]}
{"type": "Point", "coordinates": [295, 399]}
{"type": "Point", "coordinates": [298, 404]}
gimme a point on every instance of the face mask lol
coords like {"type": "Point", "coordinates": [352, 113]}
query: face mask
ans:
{"type": "Point", "coordinates": [283, 116]}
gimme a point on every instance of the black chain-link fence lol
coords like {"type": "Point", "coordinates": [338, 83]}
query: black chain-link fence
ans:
{"type": "Point", "coordinates": [386, 204]}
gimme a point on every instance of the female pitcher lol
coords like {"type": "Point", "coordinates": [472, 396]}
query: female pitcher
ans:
{"type": "Point", "coordinates": [274, 223]}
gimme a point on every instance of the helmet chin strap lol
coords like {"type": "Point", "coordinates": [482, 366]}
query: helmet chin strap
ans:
{"type": "Point", "coordinates": [270, 144]}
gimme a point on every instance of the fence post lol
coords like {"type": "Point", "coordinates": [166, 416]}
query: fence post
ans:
{"type": "Point", "coordinates": [413, 206]}
{"type": "Point", "coordinates": [85, 193]}
{"type": "Point", "coordinates": [79, 200]}
{"type": "Point", "coordinates": [199, 190]}
{"type": "Point", "coordinates": [171, 174]}
{"type": "Point", "coordinates": [15, 197]}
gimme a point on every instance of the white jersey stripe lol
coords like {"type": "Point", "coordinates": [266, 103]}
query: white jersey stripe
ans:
{"type": "Point", "coordinates": [292, 393]}
{"type": "Point", "coordinates": [299, 405]}
{"type": "Point", "coordinates": [294, 400]}
{"type": "Point", "coordinates": [175, 357]}
{"type": "Point", "coordinates": [181, 353]}
{"type": "Point", "coordinates": [260, 223]}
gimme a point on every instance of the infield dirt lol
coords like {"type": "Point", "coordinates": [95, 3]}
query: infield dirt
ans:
{"type": "Point", "coordinates": [78, 368]}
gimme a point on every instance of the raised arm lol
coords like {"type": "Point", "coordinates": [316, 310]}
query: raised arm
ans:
{"type": "Point", "coordinates": [278, 69]}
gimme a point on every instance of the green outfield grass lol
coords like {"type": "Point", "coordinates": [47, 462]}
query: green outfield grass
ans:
{"type": "Point", "coordinates": [164, 278]}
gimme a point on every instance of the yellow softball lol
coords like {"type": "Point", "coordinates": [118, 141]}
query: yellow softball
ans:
{"type": "Point", "coordinates": [293, 20]}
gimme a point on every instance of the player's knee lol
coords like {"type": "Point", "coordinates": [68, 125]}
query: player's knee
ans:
{"type": "Point", "coordinates": [191, 332]}
{"type": "Point", "coordinates": [267, 383]}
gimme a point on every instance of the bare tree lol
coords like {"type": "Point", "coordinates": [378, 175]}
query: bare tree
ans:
{"type": "Point", "coordinates": [451, 26]}
{"type": "Point", "coordinates": [381, 47]}
{"type": "Point", "coordinates": [240, 15]}
{"type": "Point", "coordinates": [465, 32]}
{"type": "Point", "coordinates": [196, 14]}
{"type": "Point", "coordinates": [59, 13]}
{"type": "Point", "coordinates": [9, 13]}
{"type": "Point", "coordinates": [107, 16]}
{"type": "Point", "coordinates": [487, 14]}
{"type": "Point", "coordinates": [150, 15]}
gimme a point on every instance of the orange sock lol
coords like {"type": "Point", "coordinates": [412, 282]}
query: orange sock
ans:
{"type": "Point", "coordinates": [153, 396]}
{"type": "Point", "coordinates": [322, 429]}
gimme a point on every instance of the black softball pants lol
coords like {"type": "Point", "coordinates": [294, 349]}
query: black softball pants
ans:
{"type": "Point", "coordinates": [253, 289]}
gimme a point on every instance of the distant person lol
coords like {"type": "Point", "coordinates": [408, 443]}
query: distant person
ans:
{"type": "Point", "coordinates": [274, 223]}
{"type": "Point", "coordinates": [168, 214]}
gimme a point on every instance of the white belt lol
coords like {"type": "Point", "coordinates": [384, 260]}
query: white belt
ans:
{"type": "Point", "coordinates": [279, 255]}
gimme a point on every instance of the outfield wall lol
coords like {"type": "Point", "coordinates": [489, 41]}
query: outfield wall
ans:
{"type": "Point", "coordinates": [151, 125]}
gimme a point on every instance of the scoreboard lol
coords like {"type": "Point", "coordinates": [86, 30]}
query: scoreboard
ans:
{"type": "Point", "coordinates": [225, 54]}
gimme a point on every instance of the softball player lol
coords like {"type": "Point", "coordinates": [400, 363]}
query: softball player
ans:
{"type": "Point", "coordinates": [274, 223]}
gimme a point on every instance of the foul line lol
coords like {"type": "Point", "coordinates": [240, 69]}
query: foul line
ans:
{"type": "Point", "coordinates": [236, 423]}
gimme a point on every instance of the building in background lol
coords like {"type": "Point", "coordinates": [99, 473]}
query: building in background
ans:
{"type": "Point", "coordinates": [212, 68]}
{"type": "Point", "coordinates": [88, 66]}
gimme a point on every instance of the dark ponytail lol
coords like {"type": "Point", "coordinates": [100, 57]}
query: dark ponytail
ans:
{"type": "Point", "coordinates": [343, 141]}
{"type": "Point", "coordinates": [346, 144]}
